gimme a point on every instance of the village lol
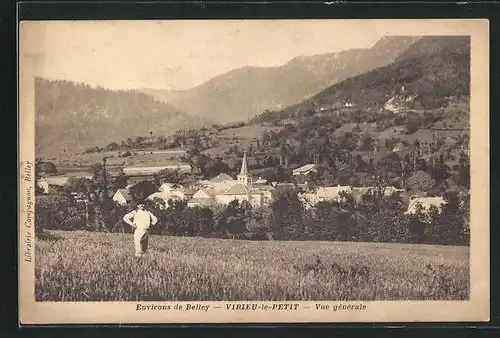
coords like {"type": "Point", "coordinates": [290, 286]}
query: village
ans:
{"type": "Point", "coordinates": [223, 189]}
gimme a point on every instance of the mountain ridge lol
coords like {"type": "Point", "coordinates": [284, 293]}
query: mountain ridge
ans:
{"type": "Point", "coordinates": [74, 116]}
{"type": "Point", "coordinates": [245, 92]}
{"type": "Point", "coordinates": [431, 70]}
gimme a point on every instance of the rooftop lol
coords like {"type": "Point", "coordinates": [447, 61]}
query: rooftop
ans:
{"type": "Point", "coordinates": [237, 189]}
{"type": "Point", "coordinates": [125, 193]}
{"type": "Point", "coordinates": [305, 168]}
{"type": "Point", "coordinates": [209, 192]}
{"type": "Point", "coordinates": [244, 165]}
{"type": "Point", "coordinates": [221, 177]}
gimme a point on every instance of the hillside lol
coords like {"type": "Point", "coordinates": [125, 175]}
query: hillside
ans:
{"type": "Point", "coordinates": [423, 77]}
{"type": "Point", "coordinates": [243, 93]}
{"type": "Point", "coordinates": [72, 116]}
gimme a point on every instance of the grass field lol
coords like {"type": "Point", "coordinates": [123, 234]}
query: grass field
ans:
{"type": "Point", "coordinates": [241, 136]}
{"type": "Point", "coordinates": [139, 157]}
{"type": "Point", "coordinates": [84, 266]}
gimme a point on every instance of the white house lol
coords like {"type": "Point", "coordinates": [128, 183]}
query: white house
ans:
{"type": "Point", "coordinates": [168, 192]}
{"type": "Point", "coordinates": [324, 194]}
{"type": "Point", "coordinates": [50, 182]}
{"type": "Point", "coordinates": [241, 192]}
{"type": "Point", "coordinates": [305, 169]}
{"type": "Point", "coordinates": [203, 197]}
{"type": "Point", "coordinates": [261, 180]}
{"type": "Point", "coordinates": [388, 191]}
{"type": "Point", "coordinates": [204, 193]}
{"type": "Point", "coordinates": [426, 203]}
{"type": "Point", "coordinates": [122, 197]}
{"type": "Point", "coordinates": [163, 198]}
{"type": "Point", "coordinates": [200, 202]}
{"type": "Point", "coordinates": [220, 182]}
{"type": "Point", "coordinates": [166, 187]}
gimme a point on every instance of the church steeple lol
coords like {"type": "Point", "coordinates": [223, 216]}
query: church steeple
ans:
{"type": "Point", "coordinates": [243, 176]}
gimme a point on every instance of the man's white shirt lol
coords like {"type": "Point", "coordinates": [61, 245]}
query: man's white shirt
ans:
{"type": "Point", "coordinates": [142, 219]}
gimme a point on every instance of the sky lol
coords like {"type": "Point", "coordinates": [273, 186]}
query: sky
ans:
{"type": "Point", "coordinates": [181, 54]}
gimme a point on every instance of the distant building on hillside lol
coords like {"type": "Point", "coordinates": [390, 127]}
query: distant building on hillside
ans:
{"type": "Point", "coordinates": [261, 181]}
{"type": "Point", "coordinates": [304, 170]}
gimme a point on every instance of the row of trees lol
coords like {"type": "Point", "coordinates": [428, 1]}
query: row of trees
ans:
{"type": "Point", "coordinates": [372, 218]}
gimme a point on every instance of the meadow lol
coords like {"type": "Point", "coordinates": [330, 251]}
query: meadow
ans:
{"type": "Point", "coordinates": [140, 157]}
{"type": "Point", "coordinates": [86, 266]}
{"type": "Point", "coordinates": [241, 136]}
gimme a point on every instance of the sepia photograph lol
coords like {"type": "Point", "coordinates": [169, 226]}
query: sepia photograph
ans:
{"type": "Point", "coordinates": [241, 170]}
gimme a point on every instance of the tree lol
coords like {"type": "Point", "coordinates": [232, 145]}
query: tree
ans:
{"type": "Point", "coordinates": [139, 140]}
{"type": "Point", "coordinates": [463, 178]}
{"type": "Point", "coordinates": [231, 219]}
{"type": "Point", "coordinates": [412, 124]}
{"type": "Point", "coordinates": [113, 146]}
{"type": "Point", "coordinates": [142, 190]}
{"type": "Point", "coordinates": [57, 212]}
{"type": "Point", "coordinates": [367, 142]}
{"type": "Point", "coordinates": [286, 220]}
{"type": "Point", "coordinates": [325, 221]}
{"type": "Point", "coordinates": [271, 175]}
{"type": "Point", "coordinates": [440, 171]}
{"type": "Point", "coordinates": [48, 168]}
{"type": "Point", "coordinates": [419, 182]}
{"type": "Point", "coordinates": [451, 220]}
{"type": "Point", "coordinates": [199, 221]}
{"type": "Point", "coordinates": [119, 182]}
{"type": "Point", "coordinates": [168, 175]}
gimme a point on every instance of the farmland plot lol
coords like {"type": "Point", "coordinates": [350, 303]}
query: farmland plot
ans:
{"type": "Point", "coordinates": [85, 266]}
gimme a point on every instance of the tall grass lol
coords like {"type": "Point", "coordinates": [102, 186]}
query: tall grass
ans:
{"type": "Point", "coordinates": [84, 266]}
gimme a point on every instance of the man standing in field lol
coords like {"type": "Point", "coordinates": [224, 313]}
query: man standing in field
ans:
{"type": "Point", "coordinates": [142, 221]}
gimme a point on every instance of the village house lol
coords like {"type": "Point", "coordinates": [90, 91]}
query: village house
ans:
{"type": "Point", "coordinates": [324, 194]}
{"type": "Point", "coordinates": [204, 197]}
{"type": "Point", "coordinates": [426, 203]}
{"type": "Point", "coordinates": [122, 197]}
{"type": "Point", "coordinates": [359, 192]}
{"type": "Point", "coordinates": [305, 169]}
{"type": "Point", "coordinates": [52, 183]}
{"type": "Point", "coordinates": [219, 183]}
{"type": "Point", "coordinates": [169, 192]}
{"type": "Point", "coordinates": [223, 189]}
{"type": "Point", "coordinates": [290, 185]}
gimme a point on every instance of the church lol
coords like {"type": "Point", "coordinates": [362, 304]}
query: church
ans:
{"type": "Point", "coordinates": [223, 189]}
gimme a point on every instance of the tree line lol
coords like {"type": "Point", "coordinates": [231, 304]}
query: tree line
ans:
{"type": "Point", "coordinates": [374, 217]}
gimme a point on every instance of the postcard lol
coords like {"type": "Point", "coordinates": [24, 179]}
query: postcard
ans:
{"type": "Point", "coordinates": [254, 171]}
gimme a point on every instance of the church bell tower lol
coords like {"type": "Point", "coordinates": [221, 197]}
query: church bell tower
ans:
{"type": "Point", "coordinates": [243, 176]}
